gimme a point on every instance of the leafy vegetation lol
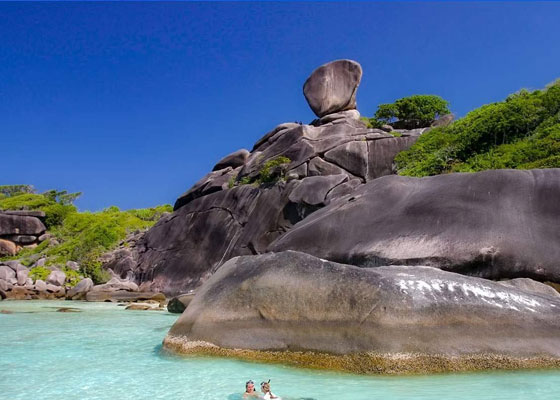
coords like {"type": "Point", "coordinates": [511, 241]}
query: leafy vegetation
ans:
{"type": "Point", "coordinates": [39, 273]}
{"type": "Point", "coordinates": [418, 111]}
{"type": "Point", "coordinates": [269, 172]}
{"type": "Point", "coordinates": [79, 236]}
{"type": "Point", "coordinates": [523, 131]}
{"type": "Point", "coordinates": [272, 171]}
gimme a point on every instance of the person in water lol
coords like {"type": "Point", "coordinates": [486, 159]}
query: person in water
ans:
{"type": "Point", "coordinates": [265, 388]}
{"type": "Point", "coordinates": [250, 390]}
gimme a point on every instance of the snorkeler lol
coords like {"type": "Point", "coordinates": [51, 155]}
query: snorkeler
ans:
{"type": "Point", "coordinates": [265, 388]}
{"type": "Point", "coordinates": [250, 390]}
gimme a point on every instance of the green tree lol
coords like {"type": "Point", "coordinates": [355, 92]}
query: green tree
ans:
{"type": "Point", "coordinates": [418, 111]}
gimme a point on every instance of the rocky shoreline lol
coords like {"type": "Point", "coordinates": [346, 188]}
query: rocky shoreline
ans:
{"type": "Point", "coordinates": [16, 284]}
{"type": "Point", "coordinates": [365, 363]}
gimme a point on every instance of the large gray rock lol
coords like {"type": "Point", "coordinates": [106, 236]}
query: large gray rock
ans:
{"type": "Point", "coordinates": [22, 275]}
{"type": "Point", "coordinates": [115, 284]}
{"type": "Point", "coordinates": [493, 224]}
{"type": "Point", "coordinates": [11, 224]}
{"type": "Point", "coordinates": [6, 272]}
{"type": "Point", "coordinates": [40, 285]}
{"type": "Point", "coordinates": [292, 301]}
{"type": "Point", "coordinates": [56, 278]}
{"type": "Point", "coordinates": [79, 291]}
{"type": "Point", "coordinates": [332, 87]}
{"type": "Point", "coordinates": [233, 160]}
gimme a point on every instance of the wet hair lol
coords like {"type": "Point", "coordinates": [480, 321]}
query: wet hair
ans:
{"type": "Point", "coordinates": [266, 386]}
{"type": "Point", "coordinates": [249, 382]}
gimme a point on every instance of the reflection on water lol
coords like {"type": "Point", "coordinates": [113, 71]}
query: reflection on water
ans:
{"type": "Point", "coordinates": [107, 352]}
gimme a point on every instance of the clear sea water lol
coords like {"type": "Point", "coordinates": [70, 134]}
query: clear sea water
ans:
{"type": "Point", "coordinates": [107, 352]}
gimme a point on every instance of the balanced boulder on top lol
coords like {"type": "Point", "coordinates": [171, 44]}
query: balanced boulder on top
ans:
{"type": "Point", "coordinates": [332, 87]}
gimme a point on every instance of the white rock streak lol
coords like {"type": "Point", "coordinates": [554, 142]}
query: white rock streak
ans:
{"type": "Point", "coordinates": [489, 295]}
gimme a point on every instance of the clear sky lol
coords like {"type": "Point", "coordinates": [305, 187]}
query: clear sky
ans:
{"type": "Point", "coordinates": [131, 103]}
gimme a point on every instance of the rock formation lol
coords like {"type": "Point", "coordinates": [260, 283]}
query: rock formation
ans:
{"type": "Point", "coordinates": [292, 301]}
{"type": "Point", "coordinates": [493, 224]}
{"type": "Point", "coordinates": [19, 229]}
{"type": "Point", "coordinates": [328, 188]}
{"type": "Point", "coordinates": [252, 198]}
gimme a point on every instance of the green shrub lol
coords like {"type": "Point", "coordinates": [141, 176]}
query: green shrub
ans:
{"type": "Point", "coordinates": [418, 111]}
{"type": "Point", "coordinates": [25, 201]}
{"type": "Point", "coordinates": [519, 132]}
{"type": "Point", "coordinates": [72, 277]}
{"type": "Point", "coordinates": [39, 273]}
{"type": "Point", "coordinates": [151, 214]}
{"type": "Point", "coordinates": [266, 173]}
{"type": "Point", "coordinates": [56, 213]}
{"type": "Point", "coordinates": [92, 267]}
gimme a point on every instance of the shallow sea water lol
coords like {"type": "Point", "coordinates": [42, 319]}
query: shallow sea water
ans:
{"type": "Point", "coordinates": [106, 352]}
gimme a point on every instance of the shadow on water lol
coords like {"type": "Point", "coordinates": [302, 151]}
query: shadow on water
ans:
{"type": "Point", "coordinates": [160, 352]}
{"type": "Point", "coordinates": [163, 328]}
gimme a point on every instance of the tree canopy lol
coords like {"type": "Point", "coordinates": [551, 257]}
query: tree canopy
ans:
{"type": "Point", "coordinates": [418, 111]}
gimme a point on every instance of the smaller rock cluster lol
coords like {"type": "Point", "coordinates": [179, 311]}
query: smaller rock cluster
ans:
{"type": "Point", "coordinates": [16, 282]}
{"type": "Point", "coordinates": [21, 229]}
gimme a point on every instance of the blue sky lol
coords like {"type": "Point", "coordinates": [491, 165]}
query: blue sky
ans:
{"type": "Point", "coordinates": [131, 103]}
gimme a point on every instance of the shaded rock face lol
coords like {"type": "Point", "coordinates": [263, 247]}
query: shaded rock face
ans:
{"type": "Point", "coordinates": [332, 87]}
{"type": "Point", "coordinates": [493, 224]}
{"type": "Point", "coordinates": [294, 301]}
{"type": "Point", "coordinates": [178, 304]}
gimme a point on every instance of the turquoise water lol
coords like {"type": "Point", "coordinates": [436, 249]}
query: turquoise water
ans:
{"type": "Point", "coordinates": [106, 352]}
